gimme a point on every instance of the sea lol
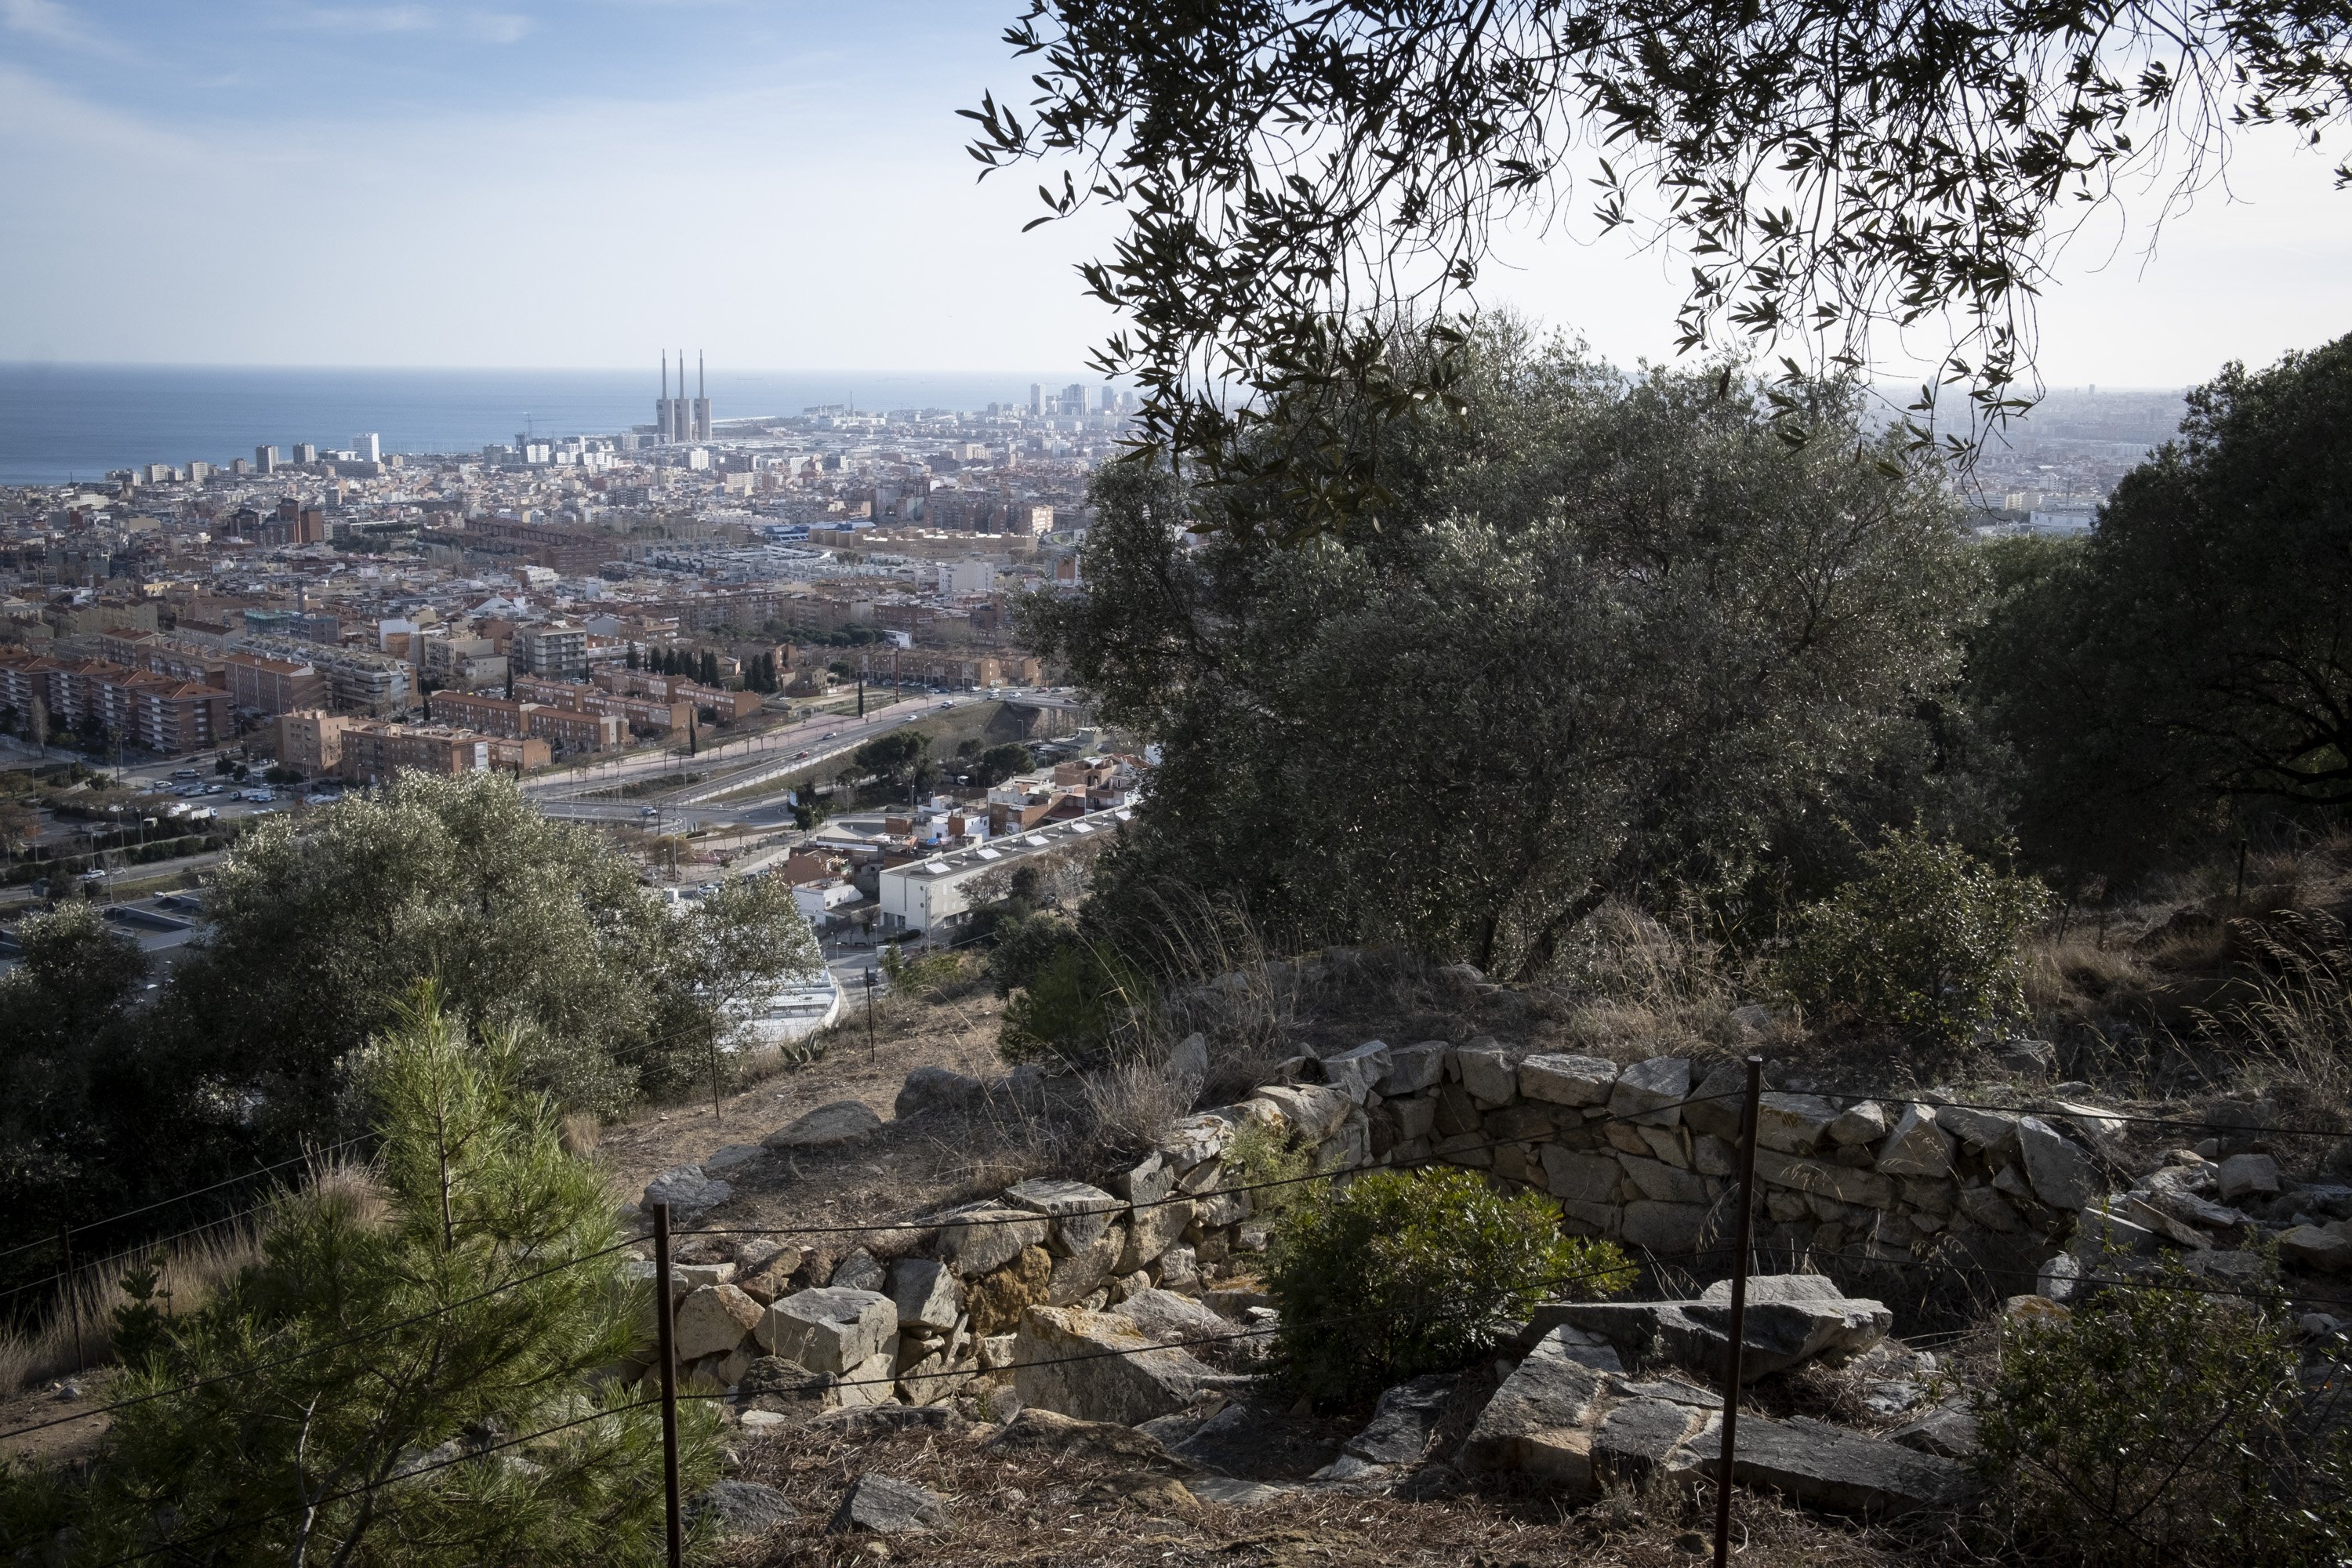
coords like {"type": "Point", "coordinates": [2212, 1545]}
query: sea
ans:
{"type": "Point", "coordinates": [60, 422]}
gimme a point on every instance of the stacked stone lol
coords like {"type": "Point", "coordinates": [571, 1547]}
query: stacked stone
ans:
{"type": "Point", "coordinates": [1641, 1153]}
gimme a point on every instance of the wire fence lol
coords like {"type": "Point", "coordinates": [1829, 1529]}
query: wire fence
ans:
{"type": "Point", "coordinates": [666, 1290]}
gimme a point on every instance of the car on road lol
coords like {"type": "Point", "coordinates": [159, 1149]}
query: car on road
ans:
{"type": "Point", "coordinates": [215, 789]}
{"type": "Point", "coordinates": [189, 791]}
{"type": "Point", "coordinates": [799, 754]}
{"type": "Point", "coordinates": [183, 773]}
{"type": "Point", "coordinates": [828, 735]}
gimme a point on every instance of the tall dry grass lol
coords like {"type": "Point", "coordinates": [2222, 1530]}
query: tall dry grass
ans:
{"type": "Point", "coordinates": [2291, 1035]}
{"type": "Point", "coordinates": [77, 1331]}
{"type": "Point", "coordinates": [1633, 985]}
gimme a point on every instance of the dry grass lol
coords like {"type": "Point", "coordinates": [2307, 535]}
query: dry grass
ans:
{"type": "Point", "coordinates": [2291, 1038]}
{"type": "Point", "coordinates": [1632, 986]}
{"type": "Point", "coordinates": [78, 1329]}
{"type": "Point", "coordinates": [1028, 1506]}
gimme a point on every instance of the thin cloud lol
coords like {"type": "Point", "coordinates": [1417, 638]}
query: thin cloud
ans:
{"type": "Point", "coordinates": [370, 19]}
{"type": "Point", "coordinates": [48, 19]}
{"type": "Point", "coordinates": [497, 26]}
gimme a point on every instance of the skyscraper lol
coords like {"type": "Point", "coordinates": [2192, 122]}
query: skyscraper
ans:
{"type": "Point", "coordinates": [265, 459]}
{"type": "Point", "coordinates": [701, 400]}
{"type": "Point", "coordinates": [369, 447]}
{"type": "Point", "coordinates": [1037, 398]}
{"type": "Point", "coordinates": [1074, 398]}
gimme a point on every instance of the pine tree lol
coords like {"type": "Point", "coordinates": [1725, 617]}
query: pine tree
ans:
{"type": "Point", "coordinates": [478, 1270]}
{"type": "Point", "coordinates": [633, 655]}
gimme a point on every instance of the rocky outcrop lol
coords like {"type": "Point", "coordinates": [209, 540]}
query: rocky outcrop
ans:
{"type": "Point", "coordinates": [1099, 1366]}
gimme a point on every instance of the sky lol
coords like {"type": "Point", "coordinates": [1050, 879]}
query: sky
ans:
{"type": "Point", "coordinates": [531, 184]}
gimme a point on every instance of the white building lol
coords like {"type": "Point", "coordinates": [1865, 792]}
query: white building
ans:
{"type": "Point", "coordinates": [368, 447]}
{"type": "Point", "coordinates": [935, 894]}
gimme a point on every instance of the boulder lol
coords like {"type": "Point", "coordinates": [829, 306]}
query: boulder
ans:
{"type": "Point", "coordinates": [2061, 1174]}
{"type": "Point", "coordinates": [995, 1302]}
{"type": "Point", "coordinates": [1947, 1431]}
{"type": "Point", "coordinates": [1413, 1068]}
{"type": "Point", "coordinates": [928, 1293]}
{"type": "Point", "coordinates": [986, 1236]}
{"type": "Point", "coordinates": [937, 1089]}
{"type": "Point", "coordinates": [1842, 1183]}
{"type": "Point", "coordinates": [861, 1270]}
{"type": "Point", "coordinates": [1650, 1092]}
{"type": "Point", "coordinates": [733, 1155]}
{"type": "Point", "coordinates": [2245, 1176]}
{"type": "Point", "coordinates": [1539, 1422]}
{"type": "Point", "coordinates": [1099, 1366]}
{"type": "Point", "coordinates": [1791, 1318]}
{"type": "Point", "coordinates": [1404, 1421]}
{"type": "Point", "coordinates": [1992, 1130]}
{"type": "Point", "coordinates": [1792, 1123]}
{"type": "Point", "coordinates": [1145, 1182]}
{"type": "Point", "coordinates": [1585, 1178]}
{"type": "Point", "coordinates": [1643, 1437]}
{"type": "Point", "coordinates": [1666, 1229]}
{"type": "Point", "coordinates": [1568, 1079]}
{"type": "Point", "coordinates": [1715, 1105]}
{"type": "Point", "coordinates": [738, 1509]}
{"type": "Point", "coordinates": [1081, 1213]}
{"type": "Point", "coordinates": [688, 1191]}
{"type": "Point", "coordinates": [1829, 1468]}
{"type": "Point", "coordinates": [1314, 1110]}
{"type": "Point", "coordinates": [889, 1505]}
{"type": "Point", "coordinates": [1357, 1073]}
{"type": "Point", "coordinates": [1151, 1230]}
{"type": "Point", "coordinates": [831, 1330]}
{"type": "Point", "coordinates": [1666, 1184]}
{"type": "Point", "coordinates": [713, 1320]}
{"type": "Point", "coordinates": [1077, 1275]}
{"type": "Point", "coordinates": [1188, 1065]}
{"type": "Point", "coordinates": [1056, 1433]}
{"type": "Point", "coordinates": [841, 1121]}
{"type": "Point", "coordinates": [1865, 1121]}
{"type": "Point", "coordinates": [1488, 1074]}
{"type": "Point", "coordinates": [1917, 1146]}
{"type": "Point", "coordinates": [2326, 1248]}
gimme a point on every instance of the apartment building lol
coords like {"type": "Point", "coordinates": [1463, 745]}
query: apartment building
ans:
{"type": "Point", "coordinates": [373, 751]}
{"type": "Point", "coordinates": [642, 715]}
{"type": "Point", "coordinates": [358, 679]}
{"type": "Point", "coordinates": [569, 732]}
{"type": "Point", "coordinates": [155, 713]}
{"type": "Point", "coordinates": [260, 684]}
{"type": "Point", "coordinates": [558, 650]}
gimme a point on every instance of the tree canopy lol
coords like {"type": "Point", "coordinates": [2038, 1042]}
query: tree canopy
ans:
{"type": "Point", "coordinates": [1618, 637]}
{"type": "Point", "coordinates": [1287, 171]}
{"type": "Point", "coordinates": [2197, 647]}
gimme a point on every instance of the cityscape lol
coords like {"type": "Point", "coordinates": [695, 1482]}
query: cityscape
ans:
{"type": "Point", "coordinates": [1628, 842]}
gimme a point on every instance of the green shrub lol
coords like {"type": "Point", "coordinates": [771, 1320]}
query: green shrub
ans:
{"type": "Point", "coordinates": [2168, 1426]}
{"type": "Point", "coordinates": [1072, 1007]}
{"type": "Point", "coordinates": [1260, 1153]}
{"type": "Point", "coordinates": [1927, 939]}
{"type": "Point", "coordinates": [1404, 1273]}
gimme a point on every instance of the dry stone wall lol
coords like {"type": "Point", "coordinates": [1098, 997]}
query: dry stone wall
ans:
{"type": "Point", "coordinates": [1642, 1153]}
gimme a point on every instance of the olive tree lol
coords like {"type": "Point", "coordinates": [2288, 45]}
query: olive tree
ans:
{"type": "Point", "coordinates": [1615, 637]}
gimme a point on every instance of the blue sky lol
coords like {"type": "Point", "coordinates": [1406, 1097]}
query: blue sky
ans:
{"type": "Point", "coordinates": [524, 182]}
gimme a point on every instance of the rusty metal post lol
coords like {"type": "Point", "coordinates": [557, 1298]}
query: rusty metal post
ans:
{"type": "Point", "coordinates": [663, 1318]}
{"type": "Point", "coordinates": [1738, 1309]}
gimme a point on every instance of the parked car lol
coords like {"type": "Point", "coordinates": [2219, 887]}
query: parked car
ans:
{"type": "Point", "coordinates": [215, 789]}
{"type": "Point", "coordinates": [183, 773]}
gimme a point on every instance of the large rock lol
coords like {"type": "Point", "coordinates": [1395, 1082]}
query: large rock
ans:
{"type": "Point", "coordinates": [1404, 1421]}
{"type": "Point", "coordinates": [1715, 1101]}
{"type": "Point", "coordinates": [2061, 1174]}
{"type": "Point", "coordinates": [1917, 1146]}
{"type": "Point", "coordinates": [1946, 1431]}
{"type": "Point", "coordinates": [831, 1330]}
{"type": "Point", "coordinates": [1568, 1079]}
{"type": "Point", "coordinates": [1539, 1422]}
{"type": "Point", "coordinates": [1643, 1437]}
{"type": "Point", "coordinates": [1791, 1318]}
{"type": "Point", "coordinates": [937, 1089]}
{"type": "Point", "coordinates": [1585, 1178]}
{"type": "Point", "coordinates": [1413, 1068]}
{"type": "Point", "coordinates": [687, 1190]}
{"type": "Point", "coordinates": [739, 1509]}
{"type": "Point", "coordinates": [889, 1505]}
{"type": "Point", "coordinates": [1313, 1109]}
{"type": "Point", "coordinates": [1666, 1184]}
{"type": "Point", "coordinates": [1151, 1230]}
{"type": "Point", "coordinates": [1992, 1131]}
{"type": "Point", "coordinates": [861, 1270]}
{"type": "Point", "coordinates": [1081, 1213]}
{"type": "Point", "coordinates": [1829, 1468]}
{"type": "Point", "coordinates": [1650, 1092]}
{"type": "Point", "coordinates": [1666, 1229]}
{"type": "Point", "coordinates": [986, 1236]}
{"type": "Point", "coordinates": [713, 1320]}
{"type": "Point", "coordinates": [1792, 1123]}
{"type": "Point", "coordinates": [2247, 1177]}
{"type": "Point", "coordinates": [1842, 1183]}
{"type": "Point", "coordinates": [995, 1302]}
{"type": "Point", "coordinates": [928, 1293]}
{"type": "Point", "coordinates": [1865, 1121]}
{"type": "Point", "coordinates": [1488, 1074]}
{"type": "Point", "coordinates": [843, 1121]}
{"type": "Point", "coordinates": [1357, 1073]}
{"type": "Point", "coordinates": [2326, 1247]}
{"type": "Point", "coordinates": [1099, 1366]}
{"type": "Point", "coordinates": [1077, 1275]}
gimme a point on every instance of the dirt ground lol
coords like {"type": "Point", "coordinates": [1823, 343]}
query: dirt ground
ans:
{"type": "Point", "coordinates": [900, 1169]}
{"type": "Point", "coordinates": [1031, 1507]}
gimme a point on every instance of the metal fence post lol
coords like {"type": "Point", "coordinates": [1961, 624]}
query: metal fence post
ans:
{"type": "Point", "coordinates": [663, 1318]}
{"type": "Point", "coordinates": [66, 1302]}
{"type": "Point", "coordinates": [1738, 1309]}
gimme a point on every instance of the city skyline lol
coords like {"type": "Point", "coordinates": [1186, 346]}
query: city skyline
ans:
{"type": "Point", "coordinates": [293, 185]}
